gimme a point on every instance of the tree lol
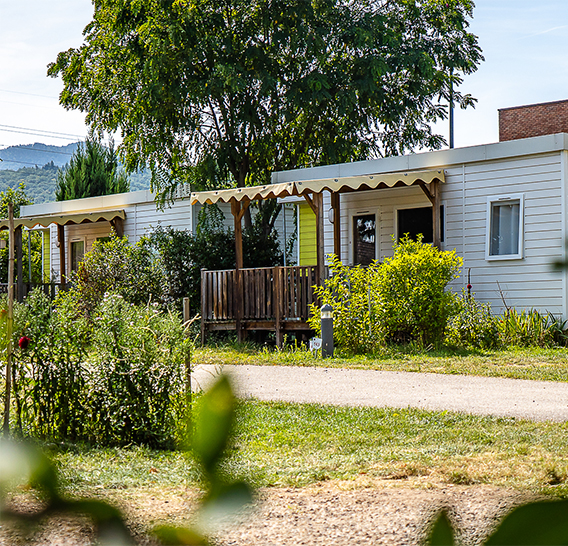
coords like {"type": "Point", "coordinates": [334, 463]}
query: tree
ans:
{"type": "Point", "coordinates": [224, 92]}
{"type": "Point", "coordinates": [19, 198]}
{"type": "Point", "coordinates": [92, 171]}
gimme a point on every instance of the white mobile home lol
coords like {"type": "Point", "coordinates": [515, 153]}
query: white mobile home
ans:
{"type": "Point", "coordinates": [78, 223]}
{"type": "Point", "coordinates": [503, 209]}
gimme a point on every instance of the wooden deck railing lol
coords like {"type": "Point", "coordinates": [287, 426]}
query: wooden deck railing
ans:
{"type": "Point", "coordinates": [265, 298]}
{"type": "Point", "coordinates": [23, 289]}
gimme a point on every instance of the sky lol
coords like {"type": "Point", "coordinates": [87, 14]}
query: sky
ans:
{"type": "Point", "coordinates": [523, 42]}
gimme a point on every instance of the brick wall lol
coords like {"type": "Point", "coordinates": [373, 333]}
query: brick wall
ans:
{"type": "Point", "coordinates": [548, 118]}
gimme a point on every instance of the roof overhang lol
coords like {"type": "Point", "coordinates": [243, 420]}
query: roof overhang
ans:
{"type": "Point", "coordinates": [334, 185]}
{"type": "Point", "coordinates": [65, 219]}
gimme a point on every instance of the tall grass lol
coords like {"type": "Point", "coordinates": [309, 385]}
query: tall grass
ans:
{"type": "Point", "coordinates": [531, 329]}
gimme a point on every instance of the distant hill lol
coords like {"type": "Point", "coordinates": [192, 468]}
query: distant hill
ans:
{"type": "Point", "coordinates": [35, 155]}
{"type": "Point", "coordinates": [36, 165]}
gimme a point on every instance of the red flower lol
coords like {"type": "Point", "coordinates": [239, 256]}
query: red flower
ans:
{"type": "Point", "coordinates": [469, 286]}
{"type": "Point", "coordinates": [24, 342]}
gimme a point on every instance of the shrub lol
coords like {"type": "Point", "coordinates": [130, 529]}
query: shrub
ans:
{"type": "Point", "coordinates": [402, 299]}
{"type": "Point", "coordinates": [115, 265]}
{"type": "Point", "coordinates": [350, 291]}
{"type": "Point", "coordinates": [114, 379]}
{"type": "Point", "coordinates": [411, 291]}
{"type": "Point", "coordinates": [473, 326]}
{"type": "Point", "coordinates": [49, 381]}
{"type": "Point", "coordinates": [528, 328]}
{"type": "Point", "coordinates": [135, 374]}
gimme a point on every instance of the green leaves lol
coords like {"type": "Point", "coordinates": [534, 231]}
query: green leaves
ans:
{"type": "Point", "coordinates": [442, 533]}
{"type": "Point", "coordinates": [92, 171]}
{"type": "Point", "coordinates": [215, 412]}
{"type": "Point", "coordinates": [267, 85]}
{"type": "Point", "coordinates": [538, 523]}
{"type": "Point", "coordinates": [214, 416]}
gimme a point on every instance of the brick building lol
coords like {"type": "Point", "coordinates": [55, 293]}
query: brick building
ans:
{"type": "Point", "coordinates": [547, 118]}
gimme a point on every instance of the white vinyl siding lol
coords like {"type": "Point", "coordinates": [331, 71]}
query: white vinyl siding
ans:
{"type": "Point", "coordinates": [529, 283]}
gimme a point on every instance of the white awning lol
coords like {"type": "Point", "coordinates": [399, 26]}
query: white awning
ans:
{"type": "Point", "coordinates": [65, 219]}
{"type": "Point", "coordinates": [338, 185]}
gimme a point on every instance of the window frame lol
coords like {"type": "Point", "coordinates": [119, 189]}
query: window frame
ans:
{"type": "Point", "coordinates": [421, 206]}
{"type": "Point", "coordinates": [514, 198]}
{"type": "Point", "coordinates": [74, 239]}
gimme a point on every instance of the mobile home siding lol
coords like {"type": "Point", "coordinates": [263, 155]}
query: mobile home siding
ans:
{"type": "Point", "coordinates": [525, 283]}
{"type": "Point", "coordinates": [307, 235]}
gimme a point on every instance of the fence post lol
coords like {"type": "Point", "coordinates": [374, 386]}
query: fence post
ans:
{"type": "Point", "coordinates": [203, 305]}
{"type": "Point", "coordinates": [188, 356]}
{"type": "Point", "coordinates": [277, 306]}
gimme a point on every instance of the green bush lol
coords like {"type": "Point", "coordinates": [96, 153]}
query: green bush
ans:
{"type": "Point", "coordinates": [48, 382]}
{"type": "Point", "coordinates": [413, 302]}
{"type": "Point", "coordinates": [113, 379]}
{"type": "Point", "coordinates": [402, 299]}
{"type": "Point", "coordinates": [134, 374]}
{"type": "Point", "coordinates": [351, 291]}
{"type": "Point", "coordinates": [114, 265]}
{"type": "Point", "coordinates": [473, 326]}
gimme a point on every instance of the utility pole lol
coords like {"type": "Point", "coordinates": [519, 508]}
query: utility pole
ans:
{"type": "Point", "coordinates": [451, 110]}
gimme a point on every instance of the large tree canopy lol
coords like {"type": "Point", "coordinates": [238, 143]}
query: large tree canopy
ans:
{"type": "Point", "coordinates": [227, 91]}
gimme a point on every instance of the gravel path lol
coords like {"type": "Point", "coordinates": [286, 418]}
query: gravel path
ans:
{"type": "Point", "coordinates": [324, 515]}
{"type": "Point", "coordinates": [535, 400]}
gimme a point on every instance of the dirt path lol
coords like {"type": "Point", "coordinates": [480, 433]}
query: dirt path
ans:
{"type": "Point", "coordinates": [329, 514]}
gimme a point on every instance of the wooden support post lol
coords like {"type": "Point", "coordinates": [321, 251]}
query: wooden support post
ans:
{"type": "Point", "coordinates": [61, 243]}
{"type": "Point", "coordinates": [238, 209]}
{"type": "Point", "coordinates": [118, 226]}
{"type": "Point", "coordinates": [277, 291]}
{"type": "Point", "coordinates": [318, 198]}
{"type": "Point", "coordinates": [19, 264]}
{"type": "Point", "coordinates": [433, 195]}
{"type": "Point", "coordinates": [6, 426]}
{"type": "Point", "coordinates": [436, 219]}
{"type": "Point", "coordinates": [203, 307]}
{"type": "Point", "coordinates": [335, 205]}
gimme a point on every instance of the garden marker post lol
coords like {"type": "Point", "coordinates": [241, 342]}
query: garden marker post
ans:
{"type": "Point", "coordinates": [188, 356]}
{"type": "Point", "coordinates": [6, 428]}
{"type": "Point", "coordinates": [326, 331]}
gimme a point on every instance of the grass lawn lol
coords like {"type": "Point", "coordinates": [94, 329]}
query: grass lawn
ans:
{"type": "Point", "coordinates": [279, 444]}
{"type": "Point", "coordinates": [533, 363]}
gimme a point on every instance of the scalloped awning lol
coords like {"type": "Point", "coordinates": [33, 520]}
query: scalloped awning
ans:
{"type": "Point", "coordinates": [65, 219]}
{"type": "Point", "coordinates": [336, 185]}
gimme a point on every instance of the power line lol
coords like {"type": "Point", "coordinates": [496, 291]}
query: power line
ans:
{"type": "Point", "coordinates": [37, 134]}
{"type": "Point", "coordinates": [19, 162]}
{"type": "Point", "coordinates": [29, 94]}
{"type": "Point", "coordinates": [11, 128]}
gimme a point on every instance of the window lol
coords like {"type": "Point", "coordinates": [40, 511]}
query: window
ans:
{"type": "Point", "coordinates": [505, 227]}
{"type": "Point", "coordinates": [364, 236]}
{"type": "Point", "coordinates": [77, 253]}
{"type": "Point", "coordinates": [418, 220]}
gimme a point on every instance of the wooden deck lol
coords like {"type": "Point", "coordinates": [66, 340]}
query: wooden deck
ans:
{"type": "Point", "coordinates": [269, 298]}
{"type": "Point", "coordinates": [22, 289]}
